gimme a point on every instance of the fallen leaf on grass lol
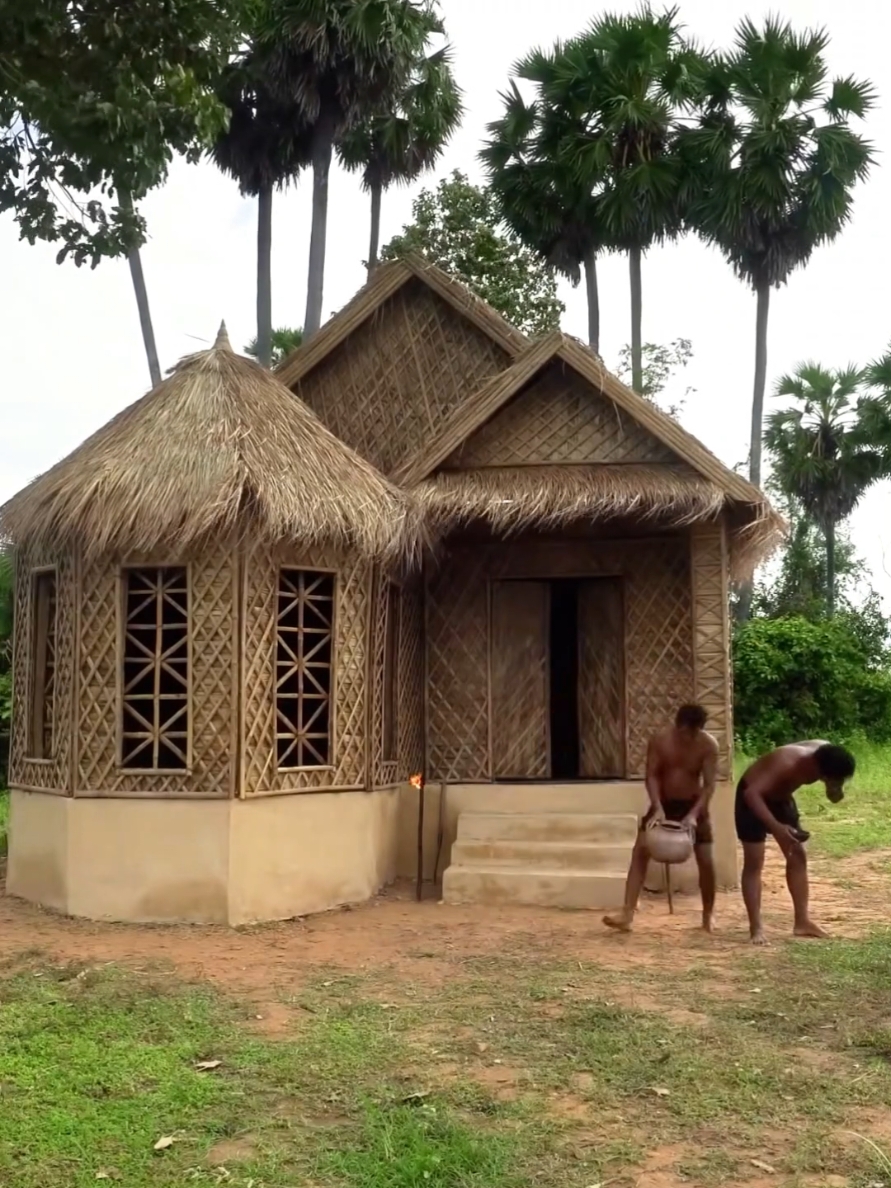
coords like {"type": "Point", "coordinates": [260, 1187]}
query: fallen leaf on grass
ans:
{"type": "Point", "coordinates": [765, 1167]}
{"type": "Point", "coordinates": [163, 1143]}
{"type": "Point", "coordinates": [207, 1065]}
{"type": "Point", "coordinates": [660, 1092]}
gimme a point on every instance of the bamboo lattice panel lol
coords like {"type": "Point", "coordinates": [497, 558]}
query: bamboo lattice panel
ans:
{"type": "Point", "coordinates": [711, 636]}
{"type": "Point", "coordinates": [383, 771]}
{"type": "Point", "coordinates": [520, 703]}
{"type": "Point", "coordinates": [213, 661]}
{"type": "Point", "coordinates": [601, 679]}
{"type": "Point", "coordinates": [261, 774]}
{"type": "Point", "coordinates": [559, 418]}
{"type": "Point", "coordinates": [304, 702]}
{"type": "Point", "coordinates": [56, 775]}
{"type": "Point", "coordinates": [390, 385]}
{"type": "Point", "coordinates": [411, 680]}
{"type": "Point", "coordinates": [457, 633]}
{"type": "Point", "coordinates": [658, 635]}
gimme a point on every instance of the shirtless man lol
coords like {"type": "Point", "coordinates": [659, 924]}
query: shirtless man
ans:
{"type": "Point", "coordinates": [681, 767]}
{"type": "Point", "coordinates": [765, 803]}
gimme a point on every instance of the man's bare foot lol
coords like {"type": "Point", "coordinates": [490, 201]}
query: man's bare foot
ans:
{"type": "Point", "coordinates": [758, 937]}
{"type": "Point", "coordinates": [621, 921]}
{"type": "Point", "coordinates": [708, 922]}
{"type": "Point", "coordinates": [809, 929]}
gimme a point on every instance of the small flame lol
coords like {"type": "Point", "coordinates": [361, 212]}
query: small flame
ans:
{"type": "Point", "coordinates": [417, 780]}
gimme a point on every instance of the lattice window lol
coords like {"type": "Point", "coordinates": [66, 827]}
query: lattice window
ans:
{"type": "Point", "coordinates": [43, 664]}
{"type": "Point", "coordinates": [391, 675]}
{"type": "Point", "coordinates": [155, 670]}
{"type": "Point", "coordinates": [304, 669]}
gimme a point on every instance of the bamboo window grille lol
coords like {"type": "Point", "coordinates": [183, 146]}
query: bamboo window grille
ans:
{"type": "Point", "coordinates": [304, 664]}
{"type": "Point", "coordinates": [155, 681]}
{"type": "Point", "coordinates": [391, 674]}
{"type": "Point", "coordinates": [43, 664]}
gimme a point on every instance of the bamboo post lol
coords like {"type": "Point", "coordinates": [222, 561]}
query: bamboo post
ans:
{"type": "Point", "coordinates": [440, 829]}
{"type": "Point", "coordinates": [668, 889]}
{"type": "Point", "coordinates": [418, 782]}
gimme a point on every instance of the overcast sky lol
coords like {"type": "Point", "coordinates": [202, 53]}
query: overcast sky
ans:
{"type": "Point", "coordinates": [72, 354]}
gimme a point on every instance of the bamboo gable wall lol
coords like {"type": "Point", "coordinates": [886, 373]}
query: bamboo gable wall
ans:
{"type": "Point", "coordinates": [391, 385]}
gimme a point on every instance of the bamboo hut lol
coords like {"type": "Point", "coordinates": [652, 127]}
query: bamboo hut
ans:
{"type": "Point", "coordinates": [201, 588]}
{"type": "Point", "coordinates": [578, 592]}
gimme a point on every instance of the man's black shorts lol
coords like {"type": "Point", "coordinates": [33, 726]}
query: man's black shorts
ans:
{"type": "Point", "coordinates": [748, 826]}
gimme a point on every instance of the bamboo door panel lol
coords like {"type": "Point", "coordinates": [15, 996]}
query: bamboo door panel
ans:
{"type": "Point", "coordinates": [519, 680]}
{"type": "Point", "coordinates": [601, 628]}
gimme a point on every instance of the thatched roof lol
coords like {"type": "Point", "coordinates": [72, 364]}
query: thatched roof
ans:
{"type": "Point", "coordinates": [221, 446]}
{"type": "Point", "coordinates": [545, 496]}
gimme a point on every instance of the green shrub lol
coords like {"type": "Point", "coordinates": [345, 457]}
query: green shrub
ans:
{"type": "Point", "coordinates": [797, 679]}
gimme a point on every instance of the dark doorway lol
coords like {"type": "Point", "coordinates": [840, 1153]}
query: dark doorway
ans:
{"type": "Point", "coordinates": [564, 683]}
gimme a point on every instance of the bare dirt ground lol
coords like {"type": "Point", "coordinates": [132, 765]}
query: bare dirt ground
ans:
{"type": "Point", "coordinates": [424, 942]}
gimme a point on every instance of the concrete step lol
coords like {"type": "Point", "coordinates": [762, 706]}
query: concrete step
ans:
{"type": "Point", "coordinates": [497, 885]}
{"type": "Point", "coordinates": [543, 855]}
{"type": "Point", "coordinates": [583, 796]}
{"type": "Point", "coordinates": [592, 828]}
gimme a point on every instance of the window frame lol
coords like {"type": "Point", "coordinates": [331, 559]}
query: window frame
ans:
{"type": "Point", "coordinates": [34, 576]}
{"type": "Point", "coordinates": [121, 600]}
{"type": "Point", "coordinates": [331, 765]}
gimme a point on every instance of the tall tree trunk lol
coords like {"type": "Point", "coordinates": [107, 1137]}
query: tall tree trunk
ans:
{"type": "Point", "coordinates": [763, 295]}
{"type": "Point", "coordinates": [593, 301]}
{"type": "Point", "coordinates": [142, 303]}
{"type": "Point", "coordinates": [762, 292]}
{"type": "Point", "coordinates": [321, 168]}
{"type": "Point", "coordinates": [829, 534]}
{"type": "Point", "coordinates": [376, 196]}
{"type": "Point", "coordinates": [636, 319]}
{"type": "Point", "coordinates": [264, 275]}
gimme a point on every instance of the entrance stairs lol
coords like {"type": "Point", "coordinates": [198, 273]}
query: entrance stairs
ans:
{"type": "Point", "coordinates": [570, 850]}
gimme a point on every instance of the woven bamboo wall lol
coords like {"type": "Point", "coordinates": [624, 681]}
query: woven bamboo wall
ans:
{"type": "Point", "coordinates": [711, 636]}
{"type": "Point", "coordinates": [658, 633]}
{"type": "Point", "coordinates": [351, 633]}
{"type": "Point", "coordinates": [55, 775]}
{"type": "Point", "coordinates": [212, 579]}
{"type": "Point", "coordinates": [558, 419]}
{"type": "Point", "coordinates": [409, 685]}
{"type": "Point", "coordinates": [389, 386]}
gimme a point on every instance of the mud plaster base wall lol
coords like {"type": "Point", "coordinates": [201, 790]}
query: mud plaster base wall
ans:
{"type": "Point", "coordinates": [215, 862]}
{"type": "Point", "coordinates": [628, 796]}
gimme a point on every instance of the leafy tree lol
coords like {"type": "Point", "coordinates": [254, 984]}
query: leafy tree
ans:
{"type": "Point", "coordinates": [554, 209]}
{"type": "Point", "coordinates": [338, 61]}
{"type": "Point", "coordinates": [457, 227]}
{"type": "Point", "coordinates": [628, 81]}
{"type": "Point", "coordinates": [95, 100]}
{"type": "Point", "coordinates": [776, 160]}
{"type": "Point", "coordinates": [794, 678]}
{"type": "Point", "coordinates": [263, 147]}
{"type": "Point", "coordinates": [822, 456]}
{"type": "Point", "coordinates": [284, 341]}
{"type": "Point", "coordinates": [659, 364]}
{"type": "Point", "coordinates": [397, 145]}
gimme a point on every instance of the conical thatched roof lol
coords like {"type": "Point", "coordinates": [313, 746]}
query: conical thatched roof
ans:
{"type": "Point", "coordinates": [221, 446]}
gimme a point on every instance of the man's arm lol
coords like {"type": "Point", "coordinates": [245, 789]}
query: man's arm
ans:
{"type": "Point", "coordinates": [709, 778]}
{"type": "Point", "coordinates": [653, 783]}
{"type": "Point", "coordinates": [754, 797]}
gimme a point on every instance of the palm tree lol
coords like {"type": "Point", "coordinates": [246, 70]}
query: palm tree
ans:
{"type": "Point", "coordinates": [339, 61]}
{"type": "Point", "coordinates": [284, 341]}
{"type": "Point", "coordinates": [634, 77]}
{"type": "Point", "coordinates": [780, 160]}
{"type": "Point", "coordinates": [400, 143]}
{"type": "Point", "coordinates": [822, 452]}
{"type": "Point", "coordinates": [551, 208]}
{"type": "Point", "coordinates": [263, 147]}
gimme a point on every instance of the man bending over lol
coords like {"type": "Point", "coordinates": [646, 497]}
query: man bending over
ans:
{"type": "Point", "coordinates": [765, 803]}
{"type": "Point", "coordinates": [681, 769]}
